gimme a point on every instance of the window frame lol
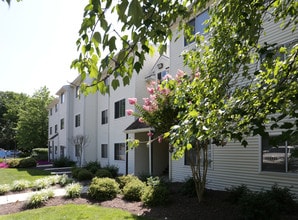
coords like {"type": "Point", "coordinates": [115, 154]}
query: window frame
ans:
{"type": "Point", "coordinates": [56, 128]}
{"type": "Point", "coordinates": [119, 151]}
{"type": "Point", "coordinates": [119, 109]}
{"type": "Point", "coordinates": [77, 120]}
{"type": "Point", "coordinates": [104, 117]}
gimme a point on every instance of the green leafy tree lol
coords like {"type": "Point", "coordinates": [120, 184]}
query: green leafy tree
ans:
{"type": "Point", "coordinates": [32, 126]}
{"type": "Point", "coordinates": [10, 105]}
{"type": "Point", "coordinates": [214, 106]}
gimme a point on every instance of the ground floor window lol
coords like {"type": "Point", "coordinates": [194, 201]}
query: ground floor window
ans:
{"type": "Point", "coordinates": [104, 151]}
{"type": "Point", "coordinates": [62, 151]}
{"type": "Point", "coordinates": [119, 151]}
{"type": "Point", "coordinates": [77, 150]}
{"type": "Point", "coordinates": [280, 155]}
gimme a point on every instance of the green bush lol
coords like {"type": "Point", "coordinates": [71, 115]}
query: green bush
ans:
{"type": "Point", "coordinates": [73, 190]}
{"type": "Point", "coordinates": [188, 188]}
{"type": "Point", "coordinates": [85, 175]}
{"type": "Point", "coordinates": [14, 163]}
{"type": "Point", "coordinates": [64, 180]}
{"type": "Point", "coordinates": [92, 166]}
{"type": "Point", "coordinates": [270, 204]}
{"type": "Point", "coordinates": [4, 188]}
{"type": "Point", "coordinates": [123, 180]}
{"type": "Point", "coordinates": [27, 162]}
{"type": "Point", "coordinates": [113, 170]}
{"type": "Point", "coordinates": [42, 183]}
{"type": "Point", "coordinates": [40, 154]}
{"type": "Point", "coordinates": [20, 185]}
{"type": "Point", "coordinates": [75, 172]}
{"type": "Point", "coordinates": [133, 190]}
{"type": "Point", "coordinates": [155, 195]}
{"type": "Point", "coordinates": [103, 189]}
{"type": "Point", "coordinates": [103, 173]}
{"type": "Point", "coordinates": [237, 192]}
{"type": "Point", "coordinates": [38, 199]}
{"type": "Point", "coordinates": [63, 162]}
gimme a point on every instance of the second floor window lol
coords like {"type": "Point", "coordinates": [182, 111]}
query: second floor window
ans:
{"type": "Point", "coordinates": [62, 98]}
{"type": "Point", "coordinates": [198, 25]}
{"type": "Point", "coordinates": [104, 117]}
{"type": "Point", "coordinates": [56, 129]}
{"type": "Point", "coordinates": [62, 124]}
{"type": "Point", "coordinates": [56, 107]}
{"type": "Point", "coordinates": [51, 111]}
{"type": "Point", "coordinates": [77, 91]}
{"type": "Point", "coordinates": [77, 120]}
{"type": "Point", "coordinates": [50, 130]}
{"type": "Point", "coordinates": [120, 108]}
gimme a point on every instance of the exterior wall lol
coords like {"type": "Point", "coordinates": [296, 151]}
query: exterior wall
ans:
{"type": "Point", "coordinates": [233, 164]}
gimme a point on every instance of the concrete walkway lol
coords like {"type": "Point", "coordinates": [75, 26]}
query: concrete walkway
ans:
{"type": "Point", "coordinates": [5, 199]}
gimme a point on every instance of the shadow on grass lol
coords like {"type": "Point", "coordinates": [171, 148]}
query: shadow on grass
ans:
{"type": "Point", "coordinates": [35, 171]}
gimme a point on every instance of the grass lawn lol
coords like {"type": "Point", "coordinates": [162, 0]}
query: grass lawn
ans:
{"type": "Point", "coordinates": [8, 175]}
{"type": "Point", "coordinates": [72, 212]}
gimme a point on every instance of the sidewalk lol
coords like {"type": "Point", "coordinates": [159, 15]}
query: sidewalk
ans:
{"type": "Point", "coordinates": [24, 196]}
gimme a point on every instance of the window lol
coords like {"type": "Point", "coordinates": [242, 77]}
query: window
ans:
{"type": "Point", "coordinates": [56, 129]}
{"type": "Point", "coordinates": [77, 150]}
{"type": "Point", "coordinates": [51, 111]}
{"type": "Point", "coordinates": [161, 75]}
{"type": "Point", "coordinates": [56, 107]}
{"type": "Point", "coordinates": [104, 151]}
{"type": "Point", "coordinates": [62, 151]}
{"type": "Point", "coordinates": [280, 155]}
{"type": "Point", "coordinates": [50, 130]}
{"type": "Point", "coordinates": [198, 25]}
{"type": "Point", "coordinates": [56, 148]}
{"type": "Point", "coordinates": [77, 120]}
{"type": "Point", "coordinates": [192, 155]}
{"type": "Point", "coordinates": [119, 153]}
{"type": "Point", "coordinates": [62, 98]}
{"type": "Point", "coordinates": [77, 91]}
{"type": "Point", "coordinates": [62, 124]}
{"type": "Point", "coordinates": [104, 117]}
{"type": "Point", "coordinates": [120, 108]}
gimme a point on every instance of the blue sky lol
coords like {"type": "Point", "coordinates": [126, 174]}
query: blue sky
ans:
{"type": "Point", "coordinates": [37, 44]}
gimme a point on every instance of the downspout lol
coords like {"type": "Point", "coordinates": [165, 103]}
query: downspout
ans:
{"type": "Point", "coordinates": [150, 156]}
{"type": "Point", "coordinates": [126, 154]}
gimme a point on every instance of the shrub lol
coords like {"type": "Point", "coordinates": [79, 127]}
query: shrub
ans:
{"type": "Point", "coordinates": [103, 189]}
{"type": "Point", "coordinates": [64, 180]}
{"type": "Point", "coordinates": [73, 190]}
{"type": "Point", "coordinates": [13, 163]}
{"type": "Point", "coordinates": [92, 166]}
{"type": "Point", "coordinates": [63, 162]}
{"type": "Point", "coordinates": [237, 192]}
{"type": "Point", "coordinates": [75, 172]}
{"type": "Point", "coordinates": [103, 173]}
{"type": "Point", "coordinates": [4, 188]}
{"type": "Point", "coordinates": [123, 180]}
{"type": "Point", "coordinates": [27, 162]}
{"type": "Point", "coordinates": [20, 185]}
{"type": "Point", "coordinates": [132, 191]}
{"type": "Point", "coordinates": [41, 183]}
{"type": "Point", "coordinates": [155, 195]}
{"type": "Point", "coordinates": [38, 199]}
{"type": "Point", "coordinates": [53, 180]}
{"type": "Point", "coordinates": [188, 188]}
{"type": "Point", "coordinates": [268, 204]}
{"type": "Point", "coordinates": [84, 175]}
{"type": "Point", "coordinates": [40, 154]}
{"type": "Point", "coordinates": [113, 170]}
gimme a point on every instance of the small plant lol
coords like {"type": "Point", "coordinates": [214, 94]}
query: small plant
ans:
{"type": "Point", "coordinates": [64, 180]}
{"type": "Point", "coordinates": [92, 166]}
{"type": "Point", "coordinates": [53, 180]}
{"type": "Point", "coordinates": [20, 185]}
{"type": "Point", "coordinates": [188, 188]}
{"type": "Point", "coordinates": [63, 162]}
{"type": "Point", "coordinates": [27, 162]}
{"type": "Point", "coordinates": [237, 192]}
{"type": "Point", "coordinates": [85, 175]}
{"type": "Point", "coordinates": [155, 195]}
{"type": "Point", "coordinates": [73, 190]}
{"type": "Point", "coordinates": [132, 191]}
{"type": "Point", "coordinates": [103, 189]}
{"type": "Point", "coordinates": [125, 179]}
{"type": "Point", "coordinates": [4, 188]}
{"type": "Point", "coordinates": [75, 172]}
{"type": "Point", "coordinates": [38, 199]}
{"type": "Point", "coordinates": [42, 183]}
{"type": "Point", "coordinates": [113, 170]}
{"type": "Point", "coordinates": [13, 163]}
{"type": "Point", "coordinates": [103, 173]}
